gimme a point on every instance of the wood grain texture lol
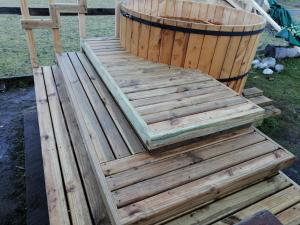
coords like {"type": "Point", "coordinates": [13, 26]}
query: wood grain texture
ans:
{"type": "Point", "coordinates": [167, 104]}
{"type": "Point", "coordinates": [221, 56]}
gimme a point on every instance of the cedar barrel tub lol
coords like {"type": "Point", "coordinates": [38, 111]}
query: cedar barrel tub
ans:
{"type": "Point", "coordinates": [218, 40]}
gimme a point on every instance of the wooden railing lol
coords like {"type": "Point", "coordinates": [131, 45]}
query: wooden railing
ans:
{"type": "Point", "coordinates": [53, 23]}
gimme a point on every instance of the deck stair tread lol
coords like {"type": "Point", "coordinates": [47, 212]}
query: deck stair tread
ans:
{"type": "Point", "coordinates": [166, 104]}
{"type": "Point", "coordinates": [226, 209]}
{"type": "Point", "coordinates": [138, 186]}
{"type": "Point", "coordinates": [256, 96]}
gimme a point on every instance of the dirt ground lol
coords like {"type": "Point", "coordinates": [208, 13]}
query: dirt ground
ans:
{"type": "Point", "coordinates": [12, 173]}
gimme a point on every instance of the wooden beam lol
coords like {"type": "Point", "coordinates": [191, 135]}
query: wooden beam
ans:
{"type": "Point", "coordinates": [117, 18]}
{"type": "Point", "coordinates": [37, 23]}
{"type": "Point", "coordinates": [29, 35]}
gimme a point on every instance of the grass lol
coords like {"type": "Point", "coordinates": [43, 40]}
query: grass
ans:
{"type": "Point", "coordinates": [14, 60]}
{"type": "Point", "coordinates": [285, 91]}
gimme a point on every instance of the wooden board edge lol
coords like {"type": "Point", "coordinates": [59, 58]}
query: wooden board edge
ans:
{"type": "Point", "coordinates": [289, 179]}
{"type": "Point", "coordinates": [135, 119]}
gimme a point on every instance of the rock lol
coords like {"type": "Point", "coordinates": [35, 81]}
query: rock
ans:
{"type": "Point", "coordinates": [279, 68]}
{"type": "Point", "coordinates": [271, 62]}
{"type": "Point", "coordinates": [268, 71]}
{"type": "Point", "coordinates": [255, 62]}
{"type": "Point", "coordinates": [262, 66]}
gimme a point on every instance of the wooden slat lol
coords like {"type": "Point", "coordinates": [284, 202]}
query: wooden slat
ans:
{"type": "Point", "coordinates": [97, 148]}
{"type": "Point", "coordinates": [261, 100]}
{"type": "Point", "coordinates": [132, 176]}
{"type": "Point", "coordinates": [74, 190]}
{"type": "Point", "coordinates": [200, 108]}
{"type": "Point", "coordinates": [230, 204]}
{"type": "Point", "coordinates": [171, 180]}
{"type": "Point", "coordinates": [121, 122]}
{"type": "Point", "coordinates": [74, 86]}
{"type": "Point", "coordinates": [88, 177]}
{"type": "Point", "coordinates": [252, 92]}
{"type": "Point", "coordinates": [290, 216]}
{"type": "Point", "coordinates": [55, 191]}
{"type": "Point", "coordinates": [137, 160]}
{"type": "Point", "coordinates": [112, 134]}
{"type": "Point", "coordinates": [200, 191]}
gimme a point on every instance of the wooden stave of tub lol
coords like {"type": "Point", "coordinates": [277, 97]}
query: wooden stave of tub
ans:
{"type": "Point", "coordinates": [226, 58]}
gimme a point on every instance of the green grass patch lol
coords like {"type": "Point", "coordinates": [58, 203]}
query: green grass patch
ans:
{"type": "Point", "coordinates": [14, 60]}
{"type": "Point", "coordinates": [285, 91]}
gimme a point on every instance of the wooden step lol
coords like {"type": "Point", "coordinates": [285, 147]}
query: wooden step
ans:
{"type": "Point", "coordinates": [252, 92]}
{"type": "Point", "coordinates": [211, 212]}
{"type": "Point", "coordinates": [256, 96]}
{"type": "Point", "coordinates": [167, 104]}
{"type": "Point", "coordinates": [138, 186]}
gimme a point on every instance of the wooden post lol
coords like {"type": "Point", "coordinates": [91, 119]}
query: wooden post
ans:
{"type": "Point", "coordinates": [81, 17]}
{"type": "Point", "coordinates": [117, 18]}
{"type": "Point", "coordinates": [55, 31]}
{"type": "Point", "coordinates": [29, 35]}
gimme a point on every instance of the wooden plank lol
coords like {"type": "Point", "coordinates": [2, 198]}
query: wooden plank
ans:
{"type": "Point", "coordinates": [230, 204]}
{"type": "Point", "coordinates": [74, 87]}
{"type": "Point", "coordinates": [200, 108]}
{"type": "Point", "coordinates": [166, 45]}
{"type": "Point", "coordinates": [111, 132]}
{"type": "Point", "coordinates": [73, 186]}
{"type": "Point", "coordinates": [275, 203]}
{"type": "Point", "coordinates": [153, 186]}
{"type": "Point", "coordinates": [181, 39]}
{"type": "Point", "coordinates": [175, 162]}
{"type": "Point", "coordinates": [29, 35]}
{"type": "Point", "coordinates": [252, 92]}
{"type": "Point", "coordinates": [91, 141]}
{"type": "Point", "coordinates": [182, 102]}
{"type": "Point", "coordinates": [261, 100]}
{"type": "Point", "coordinates": [88, 177]}
{"type": "Point", "coordinates": [55, 192]}
{"type": "Point", "coordinates": [195, 41]}
{"type": "Point", "coordinates": [127, 163]}
{"type": "Point", "coordinates": [290, 216]}
{"type": "Point", "coordinates": [200, 191]}
{"type": "Point", "coordinates": [121, 122]}
{"type": "Point", "coordinates": [170, 90]}
{"type": "Point", "coordinates": [174, 96]}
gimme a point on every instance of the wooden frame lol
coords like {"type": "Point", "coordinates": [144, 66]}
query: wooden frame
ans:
{"type": "Point", "coordinates": [54, 23]}
{"type": "Point", "coordinates": [152, 137]}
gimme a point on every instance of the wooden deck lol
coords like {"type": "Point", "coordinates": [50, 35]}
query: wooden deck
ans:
{"type": "Point", "coordinates": [229, 176]}
{"type": "Point", "coordinates": [165, 104]}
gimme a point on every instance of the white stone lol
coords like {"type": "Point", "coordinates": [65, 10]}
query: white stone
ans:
{"type": "Point", "coordinates": [279, 68]}
{"type": "Point", "coordinates": [262, 66]}
{"type": "Point", "coordinates": [255, 61]}
{"type": "Point", "coordinates": [268, 71]}
{"type": "Point", "coordinates": [271, 62]}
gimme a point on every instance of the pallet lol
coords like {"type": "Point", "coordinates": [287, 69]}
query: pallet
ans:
{"type": "Point", "coordinates": [256, 96]}
{"type": "Point", "coordinates": [68, 156]}
{"type": "Point", "coordinates": [165, 104]}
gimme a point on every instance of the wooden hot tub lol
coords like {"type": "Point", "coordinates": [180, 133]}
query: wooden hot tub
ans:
{"type": "Point", "coordinates": [218, 40]}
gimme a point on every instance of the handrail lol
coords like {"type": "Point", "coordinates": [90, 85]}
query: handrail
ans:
{"type": "Point", "coordinates": [54, 23]}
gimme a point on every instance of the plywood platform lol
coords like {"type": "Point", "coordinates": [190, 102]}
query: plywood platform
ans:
{"type": "Point", "coordinates": [233, 174]}
{"type": "Point", "coordinates": [166, 104]}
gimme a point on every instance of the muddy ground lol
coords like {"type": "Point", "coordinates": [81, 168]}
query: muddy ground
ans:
{"type": "Point", "coordinates": [12, 173]}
